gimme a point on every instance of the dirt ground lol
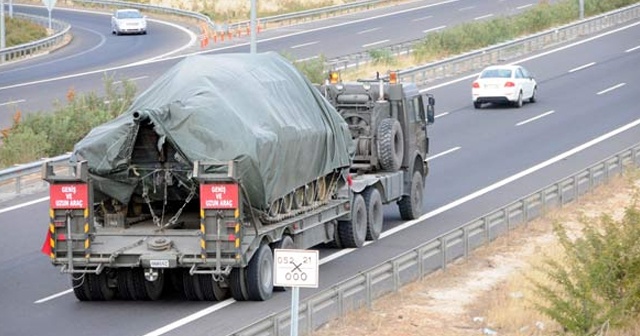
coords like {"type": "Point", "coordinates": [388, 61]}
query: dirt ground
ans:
{"type": "Point", "coordinates": [488, 293]}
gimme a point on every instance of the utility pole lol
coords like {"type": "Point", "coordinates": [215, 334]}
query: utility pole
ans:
{"type": "Point", "coordinates": [253, 26]}
{"type": "Point", "coordinates": [2, 28]}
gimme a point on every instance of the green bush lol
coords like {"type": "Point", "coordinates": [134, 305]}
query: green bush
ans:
{"type": "Point", "coordinates": [598, 282]}
{"type": "Point", "coordinates": [21, 31]}
{"type": "Point", "coordinates": [25, 145]}
{"type": "Point", "coordinates": [382, 57]}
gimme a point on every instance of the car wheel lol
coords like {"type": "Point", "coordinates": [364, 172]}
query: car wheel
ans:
{"type": "Point", "coordinates": [533, 95]}
{"type": "Point", "coordinates": [518, 102]}
{"type": "Point", "coordinates": [477, 105]}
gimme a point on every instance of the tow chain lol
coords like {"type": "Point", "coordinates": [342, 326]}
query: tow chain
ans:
{"type": "Point", "coordinates": [159, 221]}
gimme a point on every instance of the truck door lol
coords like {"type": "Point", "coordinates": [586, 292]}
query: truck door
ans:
{"type": "Point", "coordinates": [420, 125]}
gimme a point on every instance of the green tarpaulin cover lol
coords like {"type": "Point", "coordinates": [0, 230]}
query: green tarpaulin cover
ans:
{"type": "Point", "coordinates": [254, 108]}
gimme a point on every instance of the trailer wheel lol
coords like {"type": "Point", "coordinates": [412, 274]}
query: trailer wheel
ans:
{"type": "Point", "coordinates": [353, 233]}
{"type": "Point", "coordinates": [238, 284]}
{"type": "Point", "coordinates": [154, 289]}
{"type": "Point", "coordinates": [260, 275]}
{"type": "Point", "coordinates": [373, 201]}
{"type": "Point", "coordinates": [285, 243]}
{"type": "Point", "coordinates": [191, 286]}
{"type": "Point", "coordinates": [92, 287]}
{"type": "Point", "coordinates": [411, 206]}
{"type": "Point", "coordinates": [390, 144]}
{"type": "Point", "coordinates": [211, 289]}
{"type": "Point", "coordinates": [133, 286]}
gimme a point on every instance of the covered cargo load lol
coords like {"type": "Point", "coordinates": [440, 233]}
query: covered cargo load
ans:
{"type": "Point", "coordinates": [256, 109]}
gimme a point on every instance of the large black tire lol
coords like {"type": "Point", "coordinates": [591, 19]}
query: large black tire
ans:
{"type": "Point", "coordinates": [353, 233]}
{"type": "Point", "coordinates": [285, 243]}
{"type": "Point", "coordinates": [411, 206]}
{"type": "Point", "coordinates": [238, 284]}
{"type": "Point", "coordinates": [533, 95]}
{"type": "Point", "coordinates": [191, 286]}
{"type": "Point", "coordinates": [154, 289]}
{"type": "Point", "coordinates": [375, 216]}
{"type": "Point", "coordinates": [260, 275]}
{"type": "Point", "coordinates": [518, 103]}
{"type": "Point", "coordinates": [211, 290]}
{"type": "Point", "coordinates": [390, 144]}
{"type": "Point", "coordinates": [92, 287]}
{"type": "Point", "coordinates": [131, 284]}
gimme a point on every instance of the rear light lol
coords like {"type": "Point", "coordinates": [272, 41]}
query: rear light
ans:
{"type": "Point", "coordinates": [476, 85]}
{"type": "Point", "coordinates": [509, 84]}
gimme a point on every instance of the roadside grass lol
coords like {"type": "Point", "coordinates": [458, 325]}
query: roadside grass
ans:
{"type": "Point", "coordinates": [20, 31]}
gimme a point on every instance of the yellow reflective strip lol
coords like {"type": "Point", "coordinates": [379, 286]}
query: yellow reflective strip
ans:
{"type": "Point", "coordinates": [202, 244]}
{"type": "Point", "coordinates": [202, 228]}
{"type": "Point", "coordinates": [237, 242]}
{"type": "Point", "coordinates": [86, 212]}
{"type": "Point", "coordinates": [237, 227]}
{"type": "Point", "coordinates": [86, 227]}
{"type": "Point", "coordinates": [52, 256]}
{"type": "Point", "coordinates": [201, 213]}
{"type": "Point", "coordinates": [87, 256]}
{"type": "Point", "coordinates": [86, 243]}
{"type": "Point", "coordinates": [51, 213]}
{"type": "Point", "coordinates": [203, 256]}
{"type": "Point", "coordinates": [52, 228]}
{"type": "Point", "coordinates": [52, 243]}
{"type": "Point", "coordinates": [237, 213]}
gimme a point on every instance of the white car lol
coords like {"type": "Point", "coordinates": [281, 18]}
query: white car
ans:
{"type": "Point", "coordinates": [511, 84]}
{"type": "Point", "coordinates": [128, 21]}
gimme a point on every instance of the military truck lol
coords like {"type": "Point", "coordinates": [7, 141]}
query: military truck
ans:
{"type": "Point", "coordinates": [195, 185]}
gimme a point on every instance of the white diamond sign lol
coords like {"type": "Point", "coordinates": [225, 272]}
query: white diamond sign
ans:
{"type": "Point", "coordinates": [49, 4]}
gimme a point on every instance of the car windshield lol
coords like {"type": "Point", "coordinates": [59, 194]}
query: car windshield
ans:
{"type": "Point", "coordinates": [129, 15]}
{"type": "Point", "coordinates": [496, 73]}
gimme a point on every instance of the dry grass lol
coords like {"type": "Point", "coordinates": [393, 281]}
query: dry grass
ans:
{"type": "Point", "coordinates": [491, 289]}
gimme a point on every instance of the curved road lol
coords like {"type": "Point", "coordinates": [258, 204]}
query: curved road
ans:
{"type": "Point", "coordinates": [489, 157]}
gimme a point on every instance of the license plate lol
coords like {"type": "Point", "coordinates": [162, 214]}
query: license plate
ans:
{"type": "Point", "coordinates": [159, 263]}
{"type": "Point", "coordinates": [491, 86]}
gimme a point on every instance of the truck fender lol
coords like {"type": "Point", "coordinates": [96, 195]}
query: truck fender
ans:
{"type": "Point", "coordinates": [360, 183]}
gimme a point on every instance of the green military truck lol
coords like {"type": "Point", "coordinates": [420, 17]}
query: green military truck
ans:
{"type": "Point", "coordinates": [222, 160]}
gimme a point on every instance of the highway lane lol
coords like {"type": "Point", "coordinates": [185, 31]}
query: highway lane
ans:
{"type": "Point", "coordinates": [492, 148]}
{"type": "Point", "coordinates": [332, 37]}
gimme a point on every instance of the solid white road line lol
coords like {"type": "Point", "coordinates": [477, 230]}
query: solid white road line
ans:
{"type": "Point", "coordinates": [51, 297]}
{"type": "Point", "coordinates": [524, 6]}
{"type": "Point", "coordinates": [441, 115]}
{"type": "Point", "coordinates": [13, 102]}
{"type": "Point", "coordinates": [368, 31]}
{"type": "Point", "coordinates": [617, 86]}
{"type": "Point", "coordinates": [535, 118]}
{"type": "Point", "coordinates": [433, 29]}
{"type": "Point", "coordinates": [632, 49]}
{"type": "Point", "coordinates": [483, 17]}
{"type": "Point", "coordinates": [466, 8]}
{"type": "Point", "coordinates": [582, 67]}
{"type": "Point", "coordinates": [304, 45]}
{"type": "Point", "coordinates": [169, 327]}
{"type": "Point", "coordinates": [22, 205]}
{"type": "Point", "coordinates": [448, 151]}
{"type": "Point", "coordinates": [374, 43]}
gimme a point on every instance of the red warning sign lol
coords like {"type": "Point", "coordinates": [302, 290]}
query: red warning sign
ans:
{"type": "Point", "coordinates": [69, 196]}
{"type": "Point", "coordinates": [219, 196]}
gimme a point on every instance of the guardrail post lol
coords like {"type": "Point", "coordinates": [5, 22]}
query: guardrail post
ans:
{"type": "Point", "coordinates": [368, 291]}
{"type": "Point", "coordinates": [465, 235]}
{"type": "Point", "coordinates": [340, 301]}
{"type": "Point", "coordinates": [275, 322]}
{"type": "Point", "coordinates": [443, 252]}
{"type": "Point", "coordinates": [18, 184]}
{"type": "Point", "coordinates": [309, 316]}
{"type": "Point", "coordinates": [396, 276]}
{"type": "Point", "coordinates": [420, 265]}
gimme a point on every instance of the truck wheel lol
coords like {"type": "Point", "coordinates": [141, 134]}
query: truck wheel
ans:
{"type": "Point", "coordinates": [411, 206]}
{"type": "Point", "coordinates": [211, 289]}
{"type": "Point", "coordinates": [260, 275]}
{"type": "Point", "coordinates": [238, 284]}
{"type": "Point", "coordinates": [353, 233]}
{"type": "Point", "coordinates": [373, 202]}
{"type": "Point", "coordinates": [92, 287]}
{"type": "Point", "coordinates": [191, 286]}
{"type": "Point", "coordinates": [133, 286]}
{"type": "Point", "coordinates": [285, 243]}
{"type": "Point", "coordinates": [390, 144]}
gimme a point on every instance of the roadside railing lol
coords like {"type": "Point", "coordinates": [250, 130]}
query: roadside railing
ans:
{"type": "Point", "coordinates": [361, 289]}
{"type": "Point", "coordinates": [25, 178]}
{"type": "Point", "coordinates": [478, 59]}
{"type": "Point", "coordinates": [23, 50]}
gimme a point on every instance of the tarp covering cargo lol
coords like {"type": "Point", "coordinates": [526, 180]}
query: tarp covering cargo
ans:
{"type": "Point", "coordinates": [254, 108]}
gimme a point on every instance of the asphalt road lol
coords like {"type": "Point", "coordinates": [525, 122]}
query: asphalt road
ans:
{"type": "Point", "coordinates": [25, 89]}
{"type": "Point", "coordinates": [481, 159]}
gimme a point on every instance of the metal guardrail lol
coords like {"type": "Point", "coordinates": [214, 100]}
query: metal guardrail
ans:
{"type": "Point", "coordinates": [478, 59]}
{"type": "Point", "coordinates": [14, 180]}
{"type": "Point", "coordinates": [224, 27]}
{"type": "Point", "coordinates": [361, 289]}
{"type": "Point", "coordinates": [60, 30]}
